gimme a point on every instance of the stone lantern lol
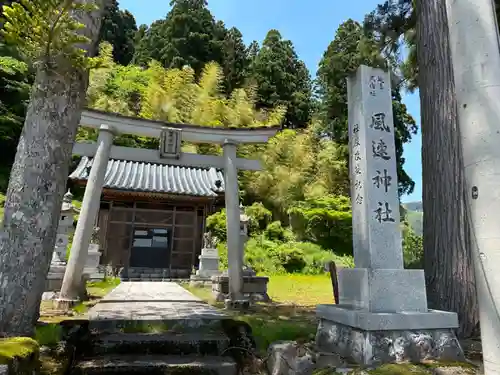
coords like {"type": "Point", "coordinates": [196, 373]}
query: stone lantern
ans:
{"type": "Point", "coordinates": [243, 229]}
{"type": "Point", "coordinates": [93, 257]}
{"type": "Point", "coordinates": [58, 262]}
{"type": "Point", "coordinates": [244, 221]}
{"type": "Point", "coordinates": [209, 262]}
{"type": "Point", "coordinates": [63, 230]}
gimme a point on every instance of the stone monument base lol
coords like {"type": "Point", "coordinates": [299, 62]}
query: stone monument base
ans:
{"type": "Point", "coordinates": [368, 338]}
{"type": "Point", "coordinates": [199, 281]}
{"type": "Point", "coordinates": [55, 277]}
{"type": "Point", "coordinates": [254, 288]}
{"type": "Point", "coordinates": [242, 304]}
{"type": "Point", "coordinates": [53, 282]}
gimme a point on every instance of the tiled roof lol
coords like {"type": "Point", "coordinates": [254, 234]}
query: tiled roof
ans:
{"type": "Point", "coordinates": [155, 178]}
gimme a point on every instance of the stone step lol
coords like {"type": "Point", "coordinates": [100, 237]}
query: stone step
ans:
{"type": "Point", "coordinates": [155, 365]}
{"type": "Point", "coordinates": [159, 279]}
{"type": "Point", "coordinates": [156, 279]}
{"type": "Point", "coordinates": [161, 343]}
{"type": "Point", "coordinates": [202, 324]}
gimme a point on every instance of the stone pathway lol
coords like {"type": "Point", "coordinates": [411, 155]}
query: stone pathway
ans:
{"type": "Point", "coordinates": [156, 328]}
{"type": "Point", "coordinates": [152, 301]}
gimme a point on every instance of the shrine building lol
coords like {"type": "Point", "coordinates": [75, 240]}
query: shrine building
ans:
{"type": "Point", "coordinates": [153, 215]}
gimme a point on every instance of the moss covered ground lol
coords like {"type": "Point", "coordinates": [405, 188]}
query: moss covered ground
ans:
{"type": "Point", "coordinates": [428, 368]}
{"type": "Point", "coordinates": [17, 347]}
{"type": "Point", "coordinates": [95, 291]}
{"type": "Point", "coordinates": [291, 315]}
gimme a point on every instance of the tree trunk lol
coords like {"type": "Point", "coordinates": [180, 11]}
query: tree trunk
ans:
{"type": "Point", "coordinates": [37, 184]}
{"type": "Point", "coordinates": [448, 263]}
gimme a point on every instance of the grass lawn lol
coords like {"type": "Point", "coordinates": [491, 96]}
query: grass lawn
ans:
{"type": "Point", "coordinates": [302, 290]}
{"type": "Point", "coordinates": [290, 315]}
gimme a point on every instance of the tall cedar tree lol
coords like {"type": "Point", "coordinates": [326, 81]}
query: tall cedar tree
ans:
{"type": "Point", "coordinates": [189, 35]}
{"type": "Point", "coordinates": [447, 245]}
{"type": "Point", "coordinates": [185, 37]}
{"type": "Point", "coordinates": [282, 79]}
{"type": "Point", "coordinates": [252, 52]}
{"type": "Point", "coordinates": [350, 49]}
{"type": "Point", "coordinates": [119, 29]}
{"type": "Point", "coordinates": [447, 241]}
{"type": "Point", "coordinates": [394, 23]}
{"type": "Point", "coordinates": [234, 59]}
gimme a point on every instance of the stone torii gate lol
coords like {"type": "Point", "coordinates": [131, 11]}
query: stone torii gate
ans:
{"type": "Point", "coordinates": [170, 135]}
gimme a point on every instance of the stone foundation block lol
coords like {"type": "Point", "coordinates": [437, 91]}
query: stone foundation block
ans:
{"type": "Point", "coordinates": [242, 304]}
{"type": "Point", "coordinates": [375, 338]}
{"type": "Point", "coordinates": [254, 287]}
{"type": "Point", "coordinates": [198, 281]}
{"type": "Point", "coordinates": [53, 283]}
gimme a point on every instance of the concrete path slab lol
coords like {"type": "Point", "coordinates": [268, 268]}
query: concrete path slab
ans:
{"type": "Point", "coordinates": [152, 301]}
{"type": "Point", "coordinates": [150, 291]}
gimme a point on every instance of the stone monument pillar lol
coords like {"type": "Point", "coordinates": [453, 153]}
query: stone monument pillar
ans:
{"type": "Point", "coordinates": [383, 314]}
{"type": "Point", "coordinates": [58, 263]}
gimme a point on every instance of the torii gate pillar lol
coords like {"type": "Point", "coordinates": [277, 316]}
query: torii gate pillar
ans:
{"type": "Point", "coordinates": [234, 256]}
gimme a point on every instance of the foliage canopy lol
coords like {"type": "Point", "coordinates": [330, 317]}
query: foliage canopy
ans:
{"type": "Point", "coordinates": [45, 29]}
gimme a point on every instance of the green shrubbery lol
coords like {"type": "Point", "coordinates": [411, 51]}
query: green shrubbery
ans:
{"type": "Point", "coordinates": [260, 217]}
{"type": "Point", "coordinates": [276, 232]}
{"type": "Point", "coordinates": [216, 224]}
{"type": "Point", "coordinates": [320, 231]}
{"type": "Point", "coordinates": [326, 221]}
{"type": "Point", "coordinates": [273, 248]}
{"type": "Point", "coordinates": [413, 248]}
{"type": "Point", "coordinates": [275, 257]}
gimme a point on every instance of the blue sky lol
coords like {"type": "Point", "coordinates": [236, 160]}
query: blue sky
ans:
{"type": "Point", "coordinates": [310, 25]}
